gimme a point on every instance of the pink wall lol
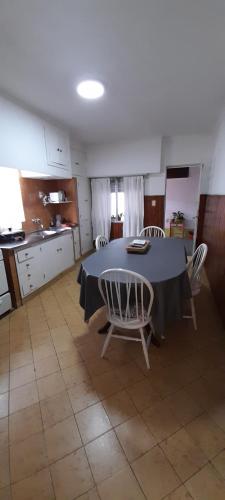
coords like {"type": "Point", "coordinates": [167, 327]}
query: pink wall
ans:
{"type": "Point", "coordinates": [182, 194]}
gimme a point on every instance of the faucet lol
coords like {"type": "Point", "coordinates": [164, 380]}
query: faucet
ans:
{"type": "Point", "coordinates": [36, 220]}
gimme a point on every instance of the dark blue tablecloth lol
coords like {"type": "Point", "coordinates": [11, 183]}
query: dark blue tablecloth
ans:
{"type": "Point", "coordinates": [164, 265]}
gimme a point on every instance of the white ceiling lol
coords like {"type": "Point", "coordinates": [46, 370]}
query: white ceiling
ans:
{"type": "Point", "coordinates": [162, 63]}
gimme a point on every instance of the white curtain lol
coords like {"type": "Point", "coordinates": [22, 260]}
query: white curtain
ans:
{"type": "Point", "coordinates": [133, 205]}
{"type": "Point", "coordinates": [101, 207]}
{"type": "Point", "coordinates": [11, 204]}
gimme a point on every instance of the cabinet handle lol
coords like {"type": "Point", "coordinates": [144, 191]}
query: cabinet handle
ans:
{"type": "Point", "coordinates": [26, 254]}
{"type": "Point", "coordinates": [29, 275]}
{"type": "Point", "coordinates": [27, 265]}
{"type": "Point", "coordinates": [31, 286]}
{"type": "Point", "coordinates": [58, 149]}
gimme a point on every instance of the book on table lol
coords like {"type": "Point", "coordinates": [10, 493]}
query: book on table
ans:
{"type": "Point", "coordinates": [138, 243]}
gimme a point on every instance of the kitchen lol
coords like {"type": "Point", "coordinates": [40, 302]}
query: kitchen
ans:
{"type": "Point", "coordinates": [43, 179]}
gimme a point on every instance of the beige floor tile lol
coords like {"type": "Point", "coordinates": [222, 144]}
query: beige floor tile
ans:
{"type": "Point", "coordinates": [38, 486]}
{"type": "Point", "coordinates": [4, 468]}
{"type": "Point", "coordinates": [206, 485]}
{"type": "Point", "coordinates": [23, 396]}
{"type": "Point", "coordinates": [121, 486]}
{"type": "Point", "coordinates": [4, 365]}
{"type": "Point", "coordinates": [27, 457]}
{"type": "Point", "coordinates": [69, 358]}
{"type": "Point", "coordinates": [183, 406]}
{"type": "Point", "coordinates": [5, 493]}
{"type": "Point", "coordinates": [21, 358]}
{"type": "Point", "coordinates": [4, 382]}
{"type": "Point", "coordinates": [50, 386]}
{"type": "Point", "coordinates": [97, 366]}
{"type": "Point", "coordinates": [71, 476]}
{"type": "Point", "coordinates": [207, 435]}
{"type": "Point", "coordinates": [90, 495]}
{"type": "Point", "coordinates": [75, 374]}
{"type": "Point", "coordinates": [155, 474]}
{"type": "Point", "coordinates": [62, 439]}
{"type": "Point", "coordinates": [219, 463]}
{"type": "Point", "coordinates": [180, 493]}
{"type": "Point", "coordinates": [4, 405]}
{"type": "Point", "coordinates": [24, 423]}
{"type": "Point", "coordinates": [129, 374]}
{"type": "Point", "coordinates": [217, 413]}
{"type": "Point", "coordinates": [44, 350]}
{"type": "Point", "coordinates": [41, 337]}
{"type": "Point", "coordinates": [143, 395]}
{"type": "Point", "coordinates": [92, 422]}
{"type": "Point", "coordinates": [105, 456]}
{"type": "Point", "coordinates": [4, 349]}
{"type": "Point", "coordinates": [46, 366]}
{"type": "Point", "coordinates": [4, 433]}
{"type": "Point", "coordinates": [22, 376]}
{"type": "Point", "coordinates": [119, 407]}
{"type": "Point", "coordinates": [107, 384]}
{"type": "Point", "coordinates": [160, 420]}
{"type": "Point", "coordinates": [55, 409]}
{"type": "Point", "coordinates": [201, 394]}
{"type": "Point", "coordinates": [135, 437]}
{"type": "Point", "coordinates": [82, 395]}
{"type": "Point", "coordinates": [185, 456]}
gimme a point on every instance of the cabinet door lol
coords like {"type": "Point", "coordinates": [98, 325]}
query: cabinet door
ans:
{"type": "Point", "coordinates": [50, 259]}
{"type": "Point", "coordinates": [76, 241]}
{"type": "Point", "coordinates": [84, 204]}
{"type": "Point", "coordinates": [57, 147]}
{"type": "Point", "coordinates": [30, 273]}
{"type": "Point", "coordinates": [66, 251]}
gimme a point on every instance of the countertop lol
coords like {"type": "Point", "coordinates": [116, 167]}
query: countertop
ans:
{"type": "Point", "coordinates": [34, 238]}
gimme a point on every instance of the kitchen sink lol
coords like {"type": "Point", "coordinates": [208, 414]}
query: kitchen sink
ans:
{"type": "Point", "coordinates": [48, 232]}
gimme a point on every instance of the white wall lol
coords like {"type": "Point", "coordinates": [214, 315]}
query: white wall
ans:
{"type": "Point", "coordinates": [217, 177]}
{"type": "Point", "coordinates": [130, 158]}
{"type": "Point", "coordinates": [154, 184]}
{"type": "Point", "coordinates": [182, 195]}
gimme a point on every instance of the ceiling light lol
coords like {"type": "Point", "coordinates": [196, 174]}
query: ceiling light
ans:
{"type": "Point", "coordinates": [90, 89]}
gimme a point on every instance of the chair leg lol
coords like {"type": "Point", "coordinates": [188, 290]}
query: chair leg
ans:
{"type": "Point", "coordinates": [107, 340]}
{"type": "Point", "coordinates": [193, 313]}
{"type": "Point", "coordinates": [145, 350]}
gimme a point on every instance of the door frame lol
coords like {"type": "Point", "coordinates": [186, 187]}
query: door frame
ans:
{"type": "Point", "coordinates": [189, 165]}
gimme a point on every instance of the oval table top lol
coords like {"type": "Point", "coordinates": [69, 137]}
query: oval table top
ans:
{"type": "Point", "coordinates": [164, 265]}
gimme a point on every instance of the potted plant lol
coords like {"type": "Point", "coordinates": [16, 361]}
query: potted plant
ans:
{"type": "Point", "coordinates": [178, 217]}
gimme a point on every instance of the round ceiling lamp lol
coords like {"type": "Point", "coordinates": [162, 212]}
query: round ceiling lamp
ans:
{"type": "Point", "coordinates": [90, 89]}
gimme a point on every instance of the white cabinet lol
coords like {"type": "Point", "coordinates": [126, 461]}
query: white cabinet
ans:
{"type": "Point", "coordinates": [76, 242]}
{"type": "Point", "coordinates": [41, 263]}
{"type": "Point", "coordinates": [84, 205]}
{"type": "Point", "coordinates": [57, 148]}
{"type": "Point", "coordinates": [30, 144]}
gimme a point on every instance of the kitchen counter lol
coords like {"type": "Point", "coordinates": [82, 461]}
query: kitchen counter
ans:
{"type": "Point", "coordinates": [35, 238]}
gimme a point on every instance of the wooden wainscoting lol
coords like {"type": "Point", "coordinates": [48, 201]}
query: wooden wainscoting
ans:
{"type": "Point", "coordinates": [201, 217]}
{"type": "Point", "coordinates": [154, 211]}
{"type": "Point", "coordinates": [214, 235]}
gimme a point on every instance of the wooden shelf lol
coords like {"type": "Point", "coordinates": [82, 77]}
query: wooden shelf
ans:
{"type": "Point", "coordinates": [56, 202]}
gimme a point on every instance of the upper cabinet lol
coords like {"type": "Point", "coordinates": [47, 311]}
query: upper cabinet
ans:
{"type": "Point", "coordinates": [28, 143]}
{"type": "Point", "coordinates": [57, 148]}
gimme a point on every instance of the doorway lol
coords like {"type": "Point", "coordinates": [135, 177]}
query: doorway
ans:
{"type": "Point", "coordinates": [182, 203]}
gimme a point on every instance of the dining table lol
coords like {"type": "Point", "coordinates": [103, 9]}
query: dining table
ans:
{"type": "Point", "coordinates": [163, 265]}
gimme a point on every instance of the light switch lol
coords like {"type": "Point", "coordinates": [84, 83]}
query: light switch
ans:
{"type": "Point", "coordinates": [153, 203]}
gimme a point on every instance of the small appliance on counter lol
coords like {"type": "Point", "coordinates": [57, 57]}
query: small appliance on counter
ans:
{"type": "Point", "coordinates": [12, 236]}
{"type": "Point", "coordinates": [57, 197]}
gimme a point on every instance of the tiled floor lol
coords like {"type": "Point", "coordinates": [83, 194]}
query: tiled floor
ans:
{"type": "Point", "coordinates": [75, 426]}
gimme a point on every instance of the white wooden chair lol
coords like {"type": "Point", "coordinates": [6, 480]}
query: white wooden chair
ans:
{"type": "Point", "coordinates": [194, 268]}
{"type": "Point", "coordinates": [101, 241]}
{"type": "Point", "coordinates": [128, 297]}
{"type": "Point", "coordinates": [152, 231]}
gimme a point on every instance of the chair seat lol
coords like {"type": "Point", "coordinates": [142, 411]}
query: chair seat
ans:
{"type": "Point", "coordinates": [131, 323]}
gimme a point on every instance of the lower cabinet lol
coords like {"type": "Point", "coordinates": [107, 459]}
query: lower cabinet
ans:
{"type": "Point", "coordinates": [44, 262]}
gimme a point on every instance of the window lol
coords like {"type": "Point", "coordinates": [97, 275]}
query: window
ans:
{"type": "Point", "coordinates": [117, 199]}
{"type": "Point", "coordinates": [11, 205]}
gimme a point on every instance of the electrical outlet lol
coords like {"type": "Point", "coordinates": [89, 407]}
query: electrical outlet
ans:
{"type": "Point", "coordinates": [153, 203]}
